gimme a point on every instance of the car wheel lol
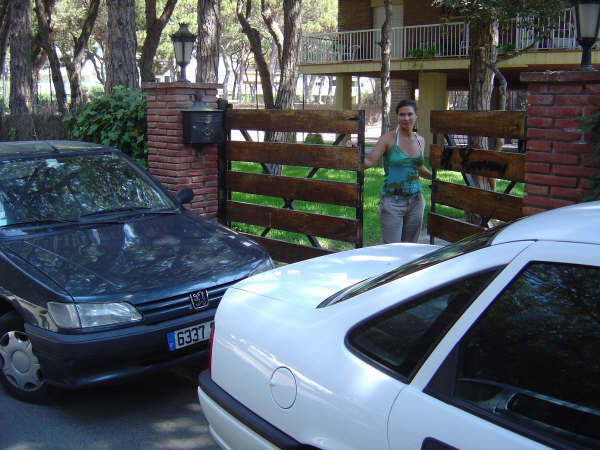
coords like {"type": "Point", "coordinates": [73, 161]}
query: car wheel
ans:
{"type": "Point", "coordinates": [20, 370]}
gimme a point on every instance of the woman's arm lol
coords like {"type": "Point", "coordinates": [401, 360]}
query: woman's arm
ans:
{"type": "Point", "coordinates": [423, 171]}
{"type": "Point", "coordinates": [376, 152]}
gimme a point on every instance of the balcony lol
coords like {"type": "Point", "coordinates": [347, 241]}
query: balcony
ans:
{"type": "Point", "coordinates": [427, 41]}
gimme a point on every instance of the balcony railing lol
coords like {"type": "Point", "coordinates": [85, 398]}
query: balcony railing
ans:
{"type": "Point", "coordinates": [426, 41]}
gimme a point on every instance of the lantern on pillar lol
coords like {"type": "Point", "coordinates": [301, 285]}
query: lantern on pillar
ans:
{"type": "Point", "coordinates": [183, 43]}
{"type": "Point", "coordinates": [587, 17]}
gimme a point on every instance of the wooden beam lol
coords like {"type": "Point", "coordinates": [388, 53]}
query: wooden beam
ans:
{"type": "Point", "coordinates": [332, 121]}
{"type": "Point", "coordinates": [323, 156]}
{"type": "Point", "coordinates": [505, 165]}
{"type": "Point", "coordinates": [450, 229]}
{"type": "Point", "coordinates": [502, 124]}
{"type": "Point", "coordinates": [286, 251]}
{"type": "Point", "coordinates": [325, 226]}
{"type": "Point", "coordinates": [331, 192]}
{"type": "Point", "coordinates": [486, 203]}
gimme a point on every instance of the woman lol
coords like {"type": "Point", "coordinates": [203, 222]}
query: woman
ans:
{"type": "Point", "coordinates": [401, 203]}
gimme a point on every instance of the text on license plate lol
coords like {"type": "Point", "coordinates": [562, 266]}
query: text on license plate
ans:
{"type": "Point", "coordinates": [190, 335]}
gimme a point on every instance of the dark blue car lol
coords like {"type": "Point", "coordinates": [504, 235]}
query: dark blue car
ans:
{"type": "Point", "coordinates": [103, 275]}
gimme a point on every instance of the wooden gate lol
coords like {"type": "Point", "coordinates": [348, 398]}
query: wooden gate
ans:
{"type": "Point", "coordinates": [508, 165]}
{"type": "Point", "coordinates": [289, 189]}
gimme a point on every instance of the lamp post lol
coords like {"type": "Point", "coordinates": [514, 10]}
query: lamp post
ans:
{"type": "Point", "coordinates": [183, 43]}
{"type": "Point", "coordinates": [587, 17]}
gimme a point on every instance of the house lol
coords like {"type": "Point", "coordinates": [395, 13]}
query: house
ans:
{"type": "Point", "coordinates": [429, 53]}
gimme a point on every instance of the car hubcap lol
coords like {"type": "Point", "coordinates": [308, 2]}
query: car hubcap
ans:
{"type": "Point", "coordinates": [19, 364]}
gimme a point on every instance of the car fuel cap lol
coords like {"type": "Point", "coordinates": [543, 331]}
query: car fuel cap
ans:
{"type": "Point", "coordinates": [283, 387]}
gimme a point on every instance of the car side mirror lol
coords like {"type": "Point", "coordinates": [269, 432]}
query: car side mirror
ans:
{"type": "Point", "coordinates": [184, 196]}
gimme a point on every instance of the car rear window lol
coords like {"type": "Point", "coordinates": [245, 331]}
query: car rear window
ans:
{"type": "Point", "coordinates": [450, 251]}
{"type": "Point", "coordinates": [400, 338]}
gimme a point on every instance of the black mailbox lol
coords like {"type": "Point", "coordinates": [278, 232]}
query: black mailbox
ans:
{"type": "Point", "coordinates": [203, 125]}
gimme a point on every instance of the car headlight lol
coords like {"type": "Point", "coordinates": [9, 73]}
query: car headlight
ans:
{"type": "Point", "coordinates": [267, 264]}
{"type": "Point", "coordinates": [85, 315]}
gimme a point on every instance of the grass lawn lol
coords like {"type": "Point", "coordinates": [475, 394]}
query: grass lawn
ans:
{"type": "Point", "coordinates": [372, 187]}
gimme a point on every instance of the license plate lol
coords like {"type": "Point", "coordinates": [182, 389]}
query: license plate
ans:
{"type": "Point", "coordinates": [188, 336]}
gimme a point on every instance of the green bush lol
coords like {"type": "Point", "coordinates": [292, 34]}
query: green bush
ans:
{"type": "Point", "coordinates": [117, 120]}
{"type": "Point", "coordinates": [314, 138]}
{"type": "Point", "coordinates": [423, 52]}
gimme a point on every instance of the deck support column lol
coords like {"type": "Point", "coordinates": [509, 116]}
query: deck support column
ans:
{"type": "Point", "coordinates": [433, 96]}
{"type": "Point", "coordinates": [343, 92]}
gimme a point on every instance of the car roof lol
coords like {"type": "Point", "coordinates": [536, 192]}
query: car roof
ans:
{"type": "Point", "coordinates": [38, 148]}
{"type": "Point", "coordinates": [575, 223]}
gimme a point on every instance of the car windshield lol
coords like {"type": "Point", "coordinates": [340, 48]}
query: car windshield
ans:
{"type": "Point", "coordinates": [458, 248]}
{"type": "Point", "coordinates": [73, 188]}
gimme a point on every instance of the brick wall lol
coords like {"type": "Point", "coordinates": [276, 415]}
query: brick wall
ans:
{"type": "Point", "coordinates": [418, 12]}
{"type": "Point", "coordinates": [354, 15]}
{"type": "Point", "coordinates": [557, 162]}
{"type": "Point", "coordinates": [401, 90]}
{"type": "Point", "coordinates": [173, 163]}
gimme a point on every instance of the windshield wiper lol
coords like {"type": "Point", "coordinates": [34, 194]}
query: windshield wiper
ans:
{"type": "Point", "coordinates": [128, 212]}
{"type": "Point", "coordinates": [39, 222]}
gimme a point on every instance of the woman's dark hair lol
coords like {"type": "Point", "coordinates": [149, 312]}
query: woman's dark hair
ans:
{"type": "Point", "coordinates": [406, 102]}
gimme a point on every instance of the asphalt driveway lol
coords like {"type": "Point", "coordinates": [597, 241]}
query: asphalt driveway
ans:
{"type": "Point", "coordinates": [157, 412]}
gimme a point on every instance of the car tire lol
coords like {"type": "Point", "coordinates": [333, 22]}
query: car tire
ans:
{"type": "Point", "coordinates": [20, 371]}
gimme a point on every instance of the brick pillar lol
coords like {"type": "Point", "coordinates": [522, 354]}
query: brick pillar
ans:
{"type": "Point", "coordinates": [557, 162]}
{"type": "Point", "coordinates": [170, 161]}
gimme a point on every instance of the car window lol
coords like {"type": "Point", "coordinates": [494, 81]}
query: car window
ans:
{"type": "Point", "coordinates": [68, 187]}
{"type": "Point", "coordinates": [401, 338]}
{"type": "Point", "coordinates": [532, 358]}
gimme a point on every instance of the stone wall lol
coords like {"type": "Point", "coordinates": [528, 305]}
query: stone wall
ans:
{"type": "Point", "coordinates": [170, 161]}
{"type": "Point", "coordinates": [557, 161]}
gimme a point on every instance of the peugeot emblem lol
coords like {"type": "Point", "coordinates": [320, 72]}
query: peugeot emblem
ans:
{"type": "Point", "coordinates": [199, 299]}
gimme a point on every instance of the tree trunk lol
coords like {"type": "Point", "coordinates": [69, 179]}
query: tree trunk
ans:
{"type": "Point", "coordinates": [502, 89]}
{"type": "Point", "coordinates": [286, 94]}
{"type": "Point", "coordinates": [74, 75]}
{"type": "Point", "coordinates": [209, 30]}
{"type": "Point", "coordinates": [228, 71]}
{"type": "Point", "coordinates": [254, 39]}
{"type": "Point", "coordinates": [481, 73]}
{"type": "Point", "coordinates": [154, 28]}
{"type": "Point", "coordinates": [4, 29]}
{"type": "Point", "coordinates": [20, 57]}
{"type": "Point", "coordinates": [79, 47]}
{"type": "Point", "coordinates": [386, 93]}
{"type": "Point", "coordinates": [121, 46]}
{"type": "Point", "coordinates": [44, 18]}
{"type": "Point", "coordinates": [484, 52]}
{"type": "Point", "coordinates": [98, 64]}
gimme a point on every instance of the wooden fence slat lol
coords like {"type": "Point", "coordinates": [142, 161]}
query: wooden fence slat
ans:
{"type": "Point", "coordinates": [505, 165]}
{"type": "Point", "coordinates": [323, 156]}
{"type": "Point", "coordinates": [502, 124]}
{"type": "Point", "coordinates": [302, 222]}
{"type": "Point", "coordinates": [286, 251]}
{"type": "Point", "coordinates": [342, 122]}
{"type": "Point", "coordinates": [487, 203]}
{"type": "Point", "coordinates": [331, 192]}
{"type": "Point", "coordinates": [450, 229]}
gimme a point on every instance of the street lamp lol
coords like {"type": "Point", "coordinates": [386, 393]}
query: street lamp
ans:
{"type": "Point", "coordinates": [587, 17]}
{"type": "Point", "coordinates": [183, 43]}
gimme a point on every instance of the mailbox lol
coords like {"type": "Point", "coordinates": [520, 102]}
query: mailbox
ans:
{"type": "Point", "coordinates": [203, 124]}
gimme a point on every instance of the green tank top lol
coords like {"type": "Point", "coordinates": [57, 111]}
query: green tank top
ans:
{"type": "Point", "coordinates": [401, 171]}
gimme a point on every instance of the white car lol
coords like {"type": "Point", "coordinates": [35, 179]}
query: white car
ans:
{"type": "Point", "coordinates": [489, 343]}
